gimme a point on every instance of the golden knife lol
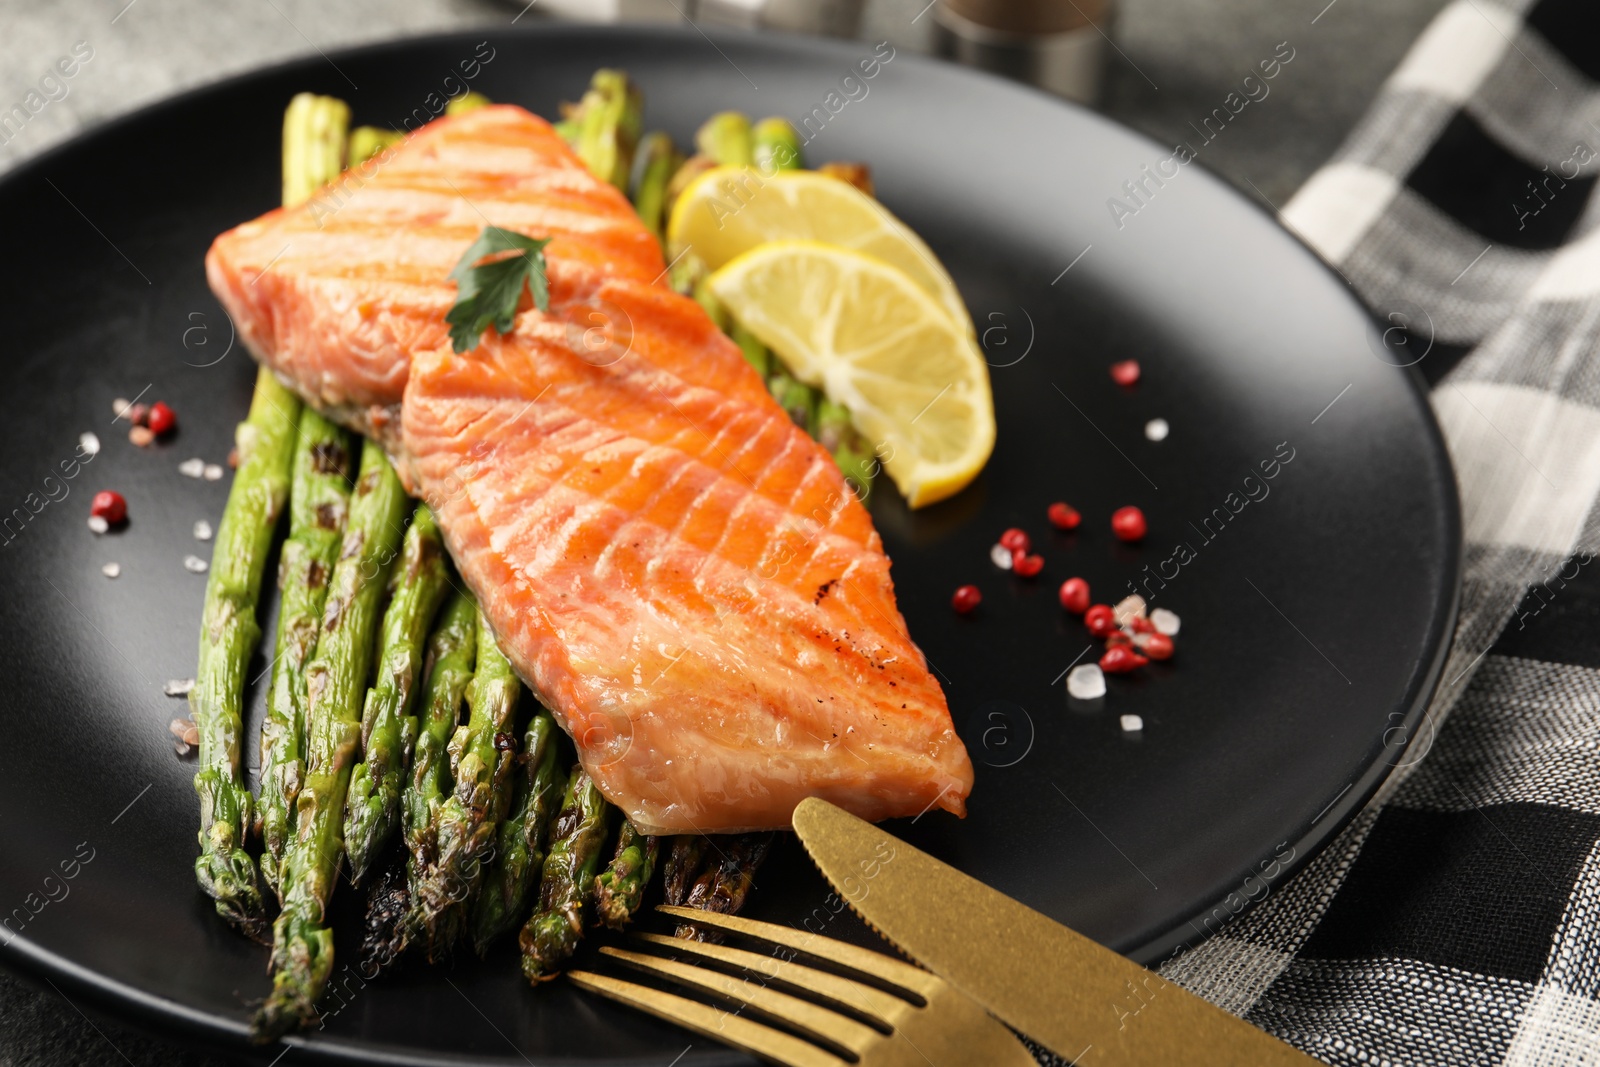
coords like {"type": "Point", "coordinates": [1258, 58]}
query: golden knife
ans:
{"type": "Point", "coordinates": [1076, 997]}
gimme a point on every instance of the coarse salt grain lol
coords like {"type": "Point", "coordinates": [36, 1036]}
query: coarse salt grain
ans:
{"type": "Point", "coordinates": [1157, 429]}
{"type": "Point", "coordinates": [196, 564]}
{"type": "Point", "coordinates": [1132, 724]}
{"type": "Point", "coordinates": [212, 472]}
{"type": "Point", "coordinates": [98, 524]}
{"type": "Point", "coordinates": [119, 405]}
{"type": "Point", "coordinates": [111, 570]}
{"type": "Point", "coordinates": [202, 530]}
{"type": "Point", "coordinates": [178, 687]}
{"type": "Point", "coordinates": [1001, 555]}
{"type": "Point", "coordinates": [89, 443]}
{"type": "Point", "coordinates": [1129, 608]}
{"type": "Point", "coordinates": [1087, 682]}
{"type": "Point", "coordinates": [192, 468]}
{"type": "Point", "coordinates": [1165, 622]}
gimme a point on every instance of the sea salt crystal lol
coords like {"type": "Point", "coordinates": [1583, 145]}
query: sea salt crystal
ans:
{"type": "Point", "coordinates": [1001, 556]}
{"type": "Point", "coordinates": [192, 468]}
{"type": "Point", "coordinates": [212, 472]}
{"type": "Point", "coordinates": [1132, 724]}
{"type": "Point", "coordinates": [202, 530]}
{"type": "Point", "coordinates": [1129, 608]}
{"type": "Point", "coordinates": [111, 570]}
{"type": "Point", "coordinates": [89, 443]}
{"type": "Point", "coordinates": [118, 406]}
{"type": "Point", "coordinates": [98, 524]}
{"type": "Point", "coordinates": [178, 687]}
{"type": "Point", "coordinates": [196, 564]}
{"type": "Point", "coordinates": [1157, 429]}
{"type": "Point", "coordinates": [1087, 682]}
{"type": "Point", "coordinates": [1165, 622]}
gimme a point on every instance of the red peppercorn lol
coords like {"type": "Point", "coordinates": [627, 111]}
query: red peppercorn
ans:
{"type": "Point", "coordinates": [1016, 540]}
{"type": "Point", "coordinates": [1141, 625]}
{"type": "Point", "coordinates": [161, 418]}
{"type": "Point", "coordinates": [1075, 595]}
{"type": "Point", "coordinates": [109, 506]}
{"type": "Point", "coordinates": [1120, 659]}
{"type": "Point", "coordinates": [1101, 620]}
{"type": "Point", "coordinates": [1025, 565]}
{"type": "Point", "coordinates": [966, 598]}
{"type": "Point", "coordinates": [1157, 646]}
{"type": "Point", "coordinates": [1119, 638]}
{"type": "Point", "coordinates": [1125, 372]}
{"type": "Point", "coordinates": [1064, 516]}
{"type": "Point", "coordinates": [1128, 524]}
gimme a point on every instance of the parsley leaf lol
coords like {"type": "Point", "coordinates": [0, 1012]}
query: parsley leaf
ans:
{"type": "Point", "coordinates": [487, 293]}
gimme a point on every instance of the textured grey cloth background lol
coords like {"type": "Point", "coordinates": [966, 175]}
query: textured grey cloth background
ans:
{"type": "Point", "coordinates": [1179, 57]}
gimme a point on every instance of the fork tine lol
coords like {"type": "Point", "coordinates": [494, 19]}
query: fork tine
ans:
{"type": "Point", "coordinates": [874, 964]}
{"type": "Point", "coordinates": [886, 1008]}
{"type": "Point", "coordinates": [821, 1024]}
{"type": "Point", "coordinates": [710, 1022]}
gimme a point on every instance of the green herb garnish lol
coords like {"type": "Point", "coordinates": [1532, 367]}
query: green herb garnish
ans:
{"type": "Point", "coordinates": [488, 292]}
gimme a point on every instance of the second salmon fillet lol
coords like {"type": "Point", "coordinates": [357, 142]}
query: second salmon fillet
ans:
{"type": "Point", "coordinates": [673, 566]}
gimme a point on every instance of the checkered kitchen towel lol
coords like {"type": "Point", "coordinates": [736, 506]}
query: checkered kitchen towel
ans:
{"type": "Point", "coordinates": [1457, 920]}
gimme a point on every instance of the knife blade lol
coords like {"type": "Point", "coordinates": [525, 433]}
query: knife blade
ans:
{"type": "Point", "coordinates": [1072, 995]}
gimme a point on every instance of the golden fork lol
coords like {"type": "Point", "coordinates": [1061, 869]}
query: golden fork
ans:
{"type": "Point", "coordinates": [882, 1015]}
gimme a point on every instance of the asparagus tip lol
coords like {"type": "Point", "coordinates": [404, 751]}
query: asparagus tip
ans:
{"type": "Point", "coordinates": [227, 874]}
{"type": "Point", "coordinates": [548, 941]}
{"type": "Point", "coordinates": [302, 958]}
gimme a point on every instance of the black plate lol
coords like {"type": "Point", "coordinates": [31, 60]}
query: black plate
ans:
{"type": "Point", "coordinates": [1315, 616]}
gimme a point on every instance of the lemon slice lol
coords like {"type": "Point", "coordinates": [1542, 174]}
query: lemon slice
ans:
{"type": "Point", "coordinates": [729, 210]}
{"type": "Point", "coordinates": [876, 342]}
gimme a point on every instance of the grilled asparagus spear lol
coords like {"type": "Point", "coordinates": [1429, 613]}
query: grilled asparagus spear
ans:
{"type": "Point", "coordinates": [336, 679]}
{"type": "Point", "coordinates": [315, 131]}
{"type": "Point", "coordinates": [620, 888]}
{"type": "Point", "coordinates": [775, 146]}
{"type": "Point", "coordinates": [727, 138]}
{"type": "Point", "coordinates": [661, 160]}
{"type": "Point", "coordinates": [604, 127]}
{"type": "Point", "coordinates": [725, 884]}
{"type": "Point", "coordinates": [229, 634]}
{"type": "Point", "coordinates": [519, 848]}
{"type": "Point", "coordinates": [452, 649]}
{"type": "Point", "coordinates": [368, 141]}
{"type": "Point", "coordinates": [318, 503]}
{"type": "Point", "coordinates": [468, 101]}
{"type": "Point", "coordinates": [482, 755]}
{"type": "Point", "coordinates": [550, 937]}
{"type": "Point", "coordinates": [683, 866]}
{"type": "Point", "coordinates": [313, 154]}
{"type": "Point", "coordinates": [389, 729]}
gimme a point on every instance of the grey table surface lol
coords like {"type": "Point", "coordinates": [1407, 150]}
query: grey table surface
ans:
{"type": "Point", "coordinates": [1178, 59]}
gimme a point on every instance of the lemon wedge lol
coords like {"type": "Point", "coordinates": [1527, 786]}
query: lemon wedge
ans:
{"type": "Point", "coordinates": [875, 341]}
{"type": "Point", "coordinates": [727, 211]}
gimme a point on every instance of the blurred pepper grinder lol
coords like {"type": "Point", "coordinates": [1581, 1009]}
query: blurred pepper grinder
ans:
{"type": "Point", "coordinates": [1058, 45]}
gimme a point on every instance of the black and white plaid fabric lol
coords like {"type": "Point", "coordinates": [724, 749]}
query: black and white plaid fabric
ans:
{"type": "Point", "coordinates": [1457, 920]}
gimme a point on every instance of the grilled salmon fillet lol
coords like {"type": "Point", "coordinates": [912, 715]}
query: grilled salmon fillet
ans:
{"type": "Point", "coordinates": [672, 565]}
